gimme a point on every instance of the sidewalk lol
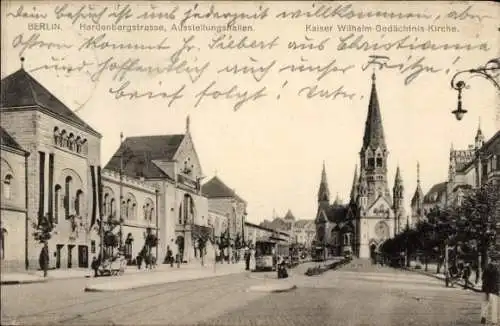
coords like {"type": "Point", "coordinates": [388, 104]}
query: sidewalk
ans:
{"type": "Point", "coordinates": [170, 275]}
{"type": "Point", "coordinates": [432, 267]}
{"type": "Point", "coordinates": [60, 274]}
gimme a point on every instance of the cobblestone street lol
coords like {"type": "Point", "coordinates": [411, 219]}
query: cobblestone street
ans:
{"type": "Point", "coordinates": [364, 295]}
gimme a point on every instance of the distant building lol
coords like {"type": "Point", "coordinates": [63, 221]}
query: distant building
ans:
{"type": "Point", "coordinates": [468, 169]}
{"type": "Point", "coordinates": [229, 211]}
{"type": "Point", "coordinates": [254, 232]}
{"type": "Point", "coordinates": [300, 231]}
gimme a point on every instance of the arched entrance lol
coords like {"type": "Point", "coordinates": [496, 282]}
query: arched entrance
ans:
{"type": "Point", "coordinates": [180, 246]}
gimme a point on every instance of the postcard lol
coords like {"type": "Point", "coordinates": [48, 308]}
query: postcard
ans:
{"type": "Point", "coordinates": [250, 162]}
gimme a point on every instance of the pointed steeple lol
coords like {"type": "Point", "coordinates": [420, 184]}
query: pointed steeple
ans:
{"type": "Point", "coordinates": [355, 184]}
{"type": "Point", "coordinates": [188, 123]}
{"type": "Point", "coordinates": [479, 140]}
{"type": "Point", "coordinates": [398, 190]}
{"type": "Point", "coordinates": [323, 192]}
{"type": "Point", "coordinates": [374, 132]}
{"type": "Point", "coordinates": [418, 197]}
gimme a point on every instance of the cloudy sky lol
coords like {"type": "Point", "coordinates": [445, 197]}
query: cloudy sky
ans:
{"type": "Point", "coordinates": [271, 150]}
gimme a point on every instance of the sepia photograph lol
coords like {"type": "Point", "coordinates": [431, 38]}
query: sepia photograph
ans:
{"type": "Point", "coordinates": [260, 163]}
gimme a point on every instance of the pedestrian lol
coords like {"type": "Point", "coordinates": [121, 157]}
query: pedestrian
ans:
{"type": "Point", "coordinates": [247, 259]}
{"type": "Point", "coordinates": [170, 258]}
{"type": "Point", "coordinates": [490, 289]}
{"type": "Point", "coordinates": [466, 275]}
{"type": "Point", "coordinates": [44, 259]}
{"type": "Point", "coordinates": [95, 266]}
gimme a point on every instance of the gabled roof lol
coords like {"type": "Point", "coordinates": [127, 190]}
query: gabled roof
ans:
{"type": "Point", "coordinates": [289, 215]}
{"type": "Point", "coordinates": [7, 140]}
{"type": "Point", "coordinates": [303, 223]}
{"type": "Point", "coordinates": [374, 132]}
{"type": "Point", "coordinates": [139, 154]}
{"type": "Point", "coordinates": [436, 193]}
{"type": "Point", "coordinates": [216, 188]}
{"type": "Point", "coordinates": [20, 89]}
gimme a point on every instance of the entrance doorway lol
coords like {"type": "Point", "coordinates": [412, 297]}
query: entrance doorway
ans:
{"type": "Point", "coordinates": [70, 255]}
{"type": "Point", "coordinates": [83, 257]}
{"type": "Point", "coordinates": [373, 253]}
{"type": "Point", "coordinates": [58, 255]}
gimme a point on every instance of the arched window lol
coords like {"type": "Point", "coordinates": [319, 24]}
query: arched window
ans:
{"type": "Point", "coordinates": [79, 202]}
{"type": "Point", "coordinates": [7, 186]}
{"type": "Point", "coordinates": [123, 209]}
{"type": "Point", "coordinates": [181, 210]}
{"type": "Point", "coordinates": [78, 144]}
{"type": "Point", "coordinates": [128, 209]}
{"type": "Point", "coordinates": [151, 214]}
{"type": "Point", "coordinates": [56, 135]}
{"type": "Point", "coordinates": [71, 141]}
{"type": "Point", "coordinates": [188, 211]}
{"type": "Point", "coordinates": [57, 203]}
{"type": "Point", "coordinates": [112, 207]}
{"type": "Point", "coordinates": [105, 205]}
{"type": "Point", "coordinates": [379, 160]}
{"type": "Point", "coordinates": [64, 139]}
{"type": "Point", "coordinates": [67, 199]}
{"type": "Point", "coordinates": [371, 162]}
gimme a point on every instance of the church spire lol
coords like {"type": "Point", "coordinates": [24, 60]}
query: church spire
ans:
{"type": "Point", "coordinates": [374, 132]}
{"type": "Point", "coordinates": [323, 193]}
{"type": "Point", "coordinates": [354, 187]}
{"type": "Point", "coordinates": [479, 140]}
{"type": "Point", "coordinates": [418, 198]}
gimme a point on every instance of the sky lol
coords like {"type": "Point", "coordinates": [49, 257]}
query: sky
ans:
{"type": "Point", "coordinates": [271, 150]}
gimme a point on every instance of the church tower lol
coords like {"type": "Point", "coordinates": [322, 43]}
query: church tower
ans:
{"type": "Point", "coordinates": [479, 140]}
{"type": "Point", "coordinates": [417, 202]}
{"type": "Point", "coordinates": [374, 151]}
{"type": "Point", "coordinates": [323, 193]}
{"type": "Point", "coordinates": [398, 202]}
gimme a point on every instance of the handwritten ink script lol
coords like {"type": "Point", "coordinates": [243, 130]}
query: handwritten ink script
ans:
{"type": "Point", "coordinates": [201, 54]}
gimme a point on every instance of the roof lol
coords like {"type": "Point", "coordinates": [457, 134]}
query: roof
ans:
{"type": "Point", "coordinates": [7, 140]}
{"type": "Point", "coordinates": [323, 192]}
{"type": "Point", "coordinates": [418, 195]}
{"type": "Point", "coordinates": [21, 89]}
{"type": "Point", "coordinates": [140, 153]}
{"type": "Point", "coordinates": [435, 194]}
{"type": "Point", "coordinates": [337, 214]}
{"type": "Point", "coordinates": [277, 224]}
{"type": "Point", "coordinates": [303, 223]}
{"type": "Point", "coordinates": [289, 215]}
{"type": "Point", "coordinates": [216, 188]}
{"type": "Point", "coordinates": [492, 146]}
{"type": "Point", "coordinates": [374, 132]}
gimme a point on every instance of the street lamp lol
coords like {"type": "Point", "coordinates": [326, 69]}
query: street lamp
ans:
{"type": "Point", "coordinates": [489, 71]}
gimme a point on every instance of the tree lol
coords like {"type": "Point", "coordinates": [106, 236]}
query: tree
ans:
{"type": "Point", "coordinates": [479, 213]}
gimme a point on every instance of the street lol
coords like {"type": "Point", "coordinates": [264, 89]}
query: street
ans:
{"type": "Point", "coordinates": [353, 295]}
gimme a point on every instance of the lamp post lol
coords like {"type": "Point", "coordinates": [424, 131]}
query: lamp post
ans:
{"type": "Point", "coordinates": [489, 71]}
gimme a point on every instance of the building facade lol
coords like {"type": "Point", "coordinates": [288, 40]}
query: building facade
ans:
{"type": "Point", "coordinates": [50, 169]}
{"type": "Point", "coordinates": [229, 211]}
{"type": "Point", "coordinates": [170, 165]}
{"type": "Point", "coordinates": [138, 211]}
{"type": "Point", "coordinates": [372, 214]}
{"type": "Point", "coordinates": [301, 231]}
{"type": "Point", "coordinates": [468, 168]}
{"type": "Point", "coordinates": [13, 204]}
{"type": "Point", "coordinates": [62, 168]}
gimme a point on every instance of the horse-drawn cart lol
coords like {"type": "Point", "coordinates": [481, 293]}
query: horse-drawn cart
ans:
{"type": "Point", "coordinates": [111, 267]}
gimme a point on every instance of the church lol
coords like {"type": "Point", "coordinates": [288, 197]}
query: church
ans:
{"type": "Point", "coordinates": [372, 215]}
